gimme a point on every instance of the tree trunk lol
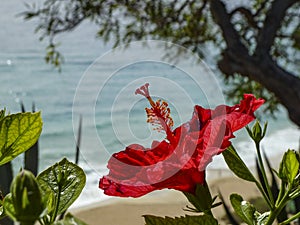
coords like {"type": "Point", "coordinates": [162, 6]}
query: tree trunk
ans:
{"type": "Point", "coordinates": [264, 70]}
{"type": "Point", "coordinates": [259, 66]}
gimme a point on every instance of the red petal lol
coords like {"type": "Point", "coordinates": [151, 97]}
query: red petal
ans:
{"type": "Point", "coordinates": [180, 163]}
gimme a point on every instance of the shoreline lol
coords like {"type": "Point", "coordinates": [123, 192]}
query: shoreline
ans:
{"type": "Point", "coordinates": [129, 211]}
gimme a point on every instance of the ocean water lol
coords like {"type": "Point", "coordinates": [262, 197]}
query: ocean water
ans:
{"type": "Point", "coordinates": [98, 83]}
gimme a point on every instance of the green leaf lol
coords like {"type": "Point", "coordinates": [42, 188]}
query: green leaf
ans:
{"type": "Point", "coordinates": [69, 219]}
{"type": "Point", "coordinates": [289, 167]}
{"type": "Point", "coordinates": [2, 212]}
{"type": "Point", "coordinates": [244, 209]}
{"type": "Point", "coordinates": [18, 132]}
{"type": "Point", "coordinates": [257, 133]}
{"type": "Point", "coordinates": [62, 183]}
{"type": "Point", "coordinates": [202, 199]}
{"type": "Point", "coordinates": [50, 201]}
{"type": "Point", "coordinates": [229, 215]}
{"type": "Point", "coordinates": [186, 220]}
{"type": "Point", "coordinates": [9, 207]}
{"type": "Point", "coordinates": [25, 198]}
{"type": "Point", "coordinates": [236, 164]}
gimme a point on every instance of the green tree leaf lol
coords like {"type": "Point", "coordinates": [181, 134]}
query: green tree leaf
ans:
{"type": "Point", "coordinates": [18, 132]}
{"type": "Point", "coordinates": [236, 165]}
{"type": "Point", "coordinates": [196, 25]}
{"type": "Point", "coordinates": [62, 183]}
{"type": "Point", "coordinates": [69, 219]}
{"type": "Point", "coordinates": [244, 209]}
{"type": "Point", "coordinates": [183, 220]}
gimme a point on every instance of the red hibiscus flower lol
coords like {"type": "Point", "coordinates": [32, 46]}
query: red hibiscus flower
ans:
{"type": "Point", "coordinates": [179, 161]}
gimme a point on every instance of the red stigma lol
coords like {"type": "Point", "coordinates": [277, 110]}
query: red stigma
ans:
{"type": "Point", "coordinates": [143, 90]}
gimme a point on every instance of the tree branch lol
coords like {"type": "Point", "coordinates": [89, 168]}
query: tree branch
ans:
{"type": "Point", "coordinates": [271, 25]}
{"type": "Point", "coordinates": [264, 70]}
{"type": "Point", "coordinates": [68, 26]}
{"type": "Point", "coordinates": [261, 8]}
{"type": "Point", "coordinates": [248, 15]}
{"type": "Point", "coordinates": [222, 18]}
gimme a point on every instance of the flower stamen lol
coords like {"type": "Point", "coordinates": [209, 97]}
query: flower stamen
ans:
{"type": "Point", "coordinates": [159, 113]}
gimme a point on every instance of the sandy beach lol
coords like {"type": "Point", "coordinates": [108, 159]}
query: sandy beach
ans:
{"type": "Point", "coordinates": [129, 211]}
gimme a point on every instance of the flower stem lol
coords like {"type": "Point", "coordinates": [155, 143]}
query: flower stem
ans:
{"type": "Point", "coordinates": [56, 206]}
{"type": "Point", "coordinates": [27, 223]}
{"type": "Point", "coordinates": [297, 215]}
{"type": "Point", "coordinates": [264, 194]}
{"type": "Point", "coordinates": [209, 212]}
{"type": "Point", "coordinates": [263, 171]}
{"type": "Point", "coordinates": [274, 213]}
{"type": "Point", "coordinates": [278, 207]}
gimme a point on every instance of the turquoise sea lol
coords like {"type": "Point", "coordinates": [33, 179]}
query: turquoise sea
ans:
{"type": "Point", "coordinates": [98, 83]}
